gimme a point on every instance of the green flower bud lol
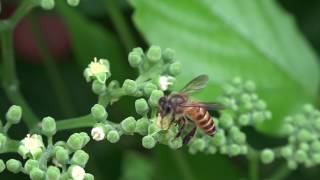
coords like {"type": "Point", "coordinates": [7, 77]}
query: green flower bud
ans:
{"type": "Point", "coordinates": [3, 140]}
{"type": "Point", "coordinates": [135, 59]}
{"type": "Point", "coordinates": [2, 166]}
{"type": "Point", "coordinates": [80, 158]}
{"type": "Point", "coordinates": [168, 55]}
{"type": "Point", "coordinates": [138, 50]}
{"type": "Point", "coordinates": [257, 117]}
{"type": "Point", "coordinates": [148, 142]}
{"type": "Point", "coordinates": [292, 164]}
{"type": "Point", "coordinates": [243, 149]}
{"type": "Point", "coordinates": [154, 97]}
{"type": "Point", "coordinates": [129, 125]}
{"type": "Point", "coordinates": [300, 120]}
{"type": "Point", "coordinates": [98, 112]}
{"type": "Point", "coordinates": [148, 88]}
{"type": "Point", "coordinates": [175, 68]}
{"type": "Point", "coordinates": [73, 2]}
{"type": "Point", "coordinates": [315, 157]}
{"type": "Point", "coordinates": [244, 119]}
{"type": "Point", "coordinates": [226, 120]}
{"type": "Point", "coordinates": [198, 144]}
{"type": "Point", "coordinates": [261, 105]}
{"type": "Point", "coordinates": [14, 166]}
{"type": "Point", "coordinates": [212, 149]}
{"type": "Point", "coordinates": [245, 98]}
{"type": "Point", "coordinates": [304, 135]}
{"type": "Point", "coordinates": [234, 149]}
{"type": "Point", "coordinates": [315, 146]}
{"type": "Point", "coordinates": [113, 136]}
{"type": "Point", "coordinates": [300, 156]}
{"type": "Point", "coordinates": [65, 176]}
{"type": "Point", "coordinates": [237, 81]}
{"type": "Point", "coordinates": [248, 106]}
{"type": "Point", "coordinates": [141, 106]}
{"type": "Point", "coordinates": [88, 177]}
{"type": "Point", "coordinates": [85, 138]}
{"type": "Point", "coordinates": [30, 164]}
{"type": "Point", "coordinates": [175, 143]}
{"type": "Point", "coordinates": [286, 152]}
{"type": "Point", "coordinates": [142, 126]}
{"type": "Point", "coordinates": [53, 173]}
{"type": "Point", "coordinates": [250, 86]}
{"type": "Point", "coordinates": [267, 114]}
{"type": "Point", "coordinates": [154, 54]}
{"type": "Point", "coordinates": [114, 84]}
{"type": "Point", "coordinates": [98, 87]}
{"type": "Point", "coordinates": [267, 156]}
{"type": "Point", "coordinates": [75, 142]}
{"type": "Point", "coordinates": [47, 4]}
{"type": "Point", "coordinates": [304, 146]}
{"type": "Point", "coordinates": [239, 138]}
{"type": "Point", "coordinates": [288, 129]}
{"type": "Point", "coordinates": [130, 87]}
{"type": "Point", "coordinates": [14, 114]}
{"type": "Point", "coordinates": [153, 128]}
{"type": "Point", "coordinates": [308, 108]}
{"type": "Point", "coordinates": [48, 126]}
{"type": "Point", "coordinates": [36, 174]}
{"type": "Point", "coordinates": [219, 138]}
{"type": "Point", "coordinates": [228, 89]}
{"type": "Point", "coordinates": [62, 156]}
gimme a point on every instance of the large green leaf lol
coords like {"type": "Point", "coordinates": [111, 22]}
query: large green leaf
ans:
{"type": "Point", "coordinates": [253, 39]}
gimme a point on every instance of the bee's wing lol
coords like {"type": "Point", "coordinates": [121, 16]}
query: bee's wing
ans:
{"type": "Point", "coordinates": [196, 84]}
{"type": "Point", "coordinates": [205, 105]}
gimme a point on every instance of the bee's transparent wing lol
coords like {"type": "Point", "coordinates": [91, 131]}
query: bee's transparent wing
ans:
{"type": "Point", "coordinates": [205, 105]}
{"type": "Point", "coordinates": [195, 85]}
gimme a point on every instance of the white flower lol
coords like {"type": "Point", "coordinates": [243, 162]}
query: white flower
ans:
{"type": "Point", "coordinates": [31, 144]}
{"type": "Point", "coordinates": [77, 173]}
{"type": "Point", "coordinates": [165, 82]}
{"type": "Point", "coordinates": [97, 67]}
{"type": "Point", "coordinates": [98, 134]}
{"type": "Point", "coordinates": [163, 123]}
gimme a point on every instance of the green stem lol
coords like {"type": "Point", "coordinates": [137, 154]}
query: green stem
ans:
{"type": "Point", "coordinates": [53, 73]}
{"type": "Point", "coordinates": [10, 81]}
{"type": "Point", "coordinates": [73, 123]}
{"type": "Point", "coordinates": [253, 164]}
{"type": "Point", "coordinates": [281, 173]}
{"type": "Point", "coordinates": [120, 24]}
{"type": "Point", "coordinates": [24, 8]}
{"type": "Point", "coordinates": [6, 127]}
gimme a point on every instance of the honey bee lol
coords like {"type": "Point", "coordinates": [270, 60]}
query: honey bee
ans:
{"type": "Point", "coordinates": [181, 110]}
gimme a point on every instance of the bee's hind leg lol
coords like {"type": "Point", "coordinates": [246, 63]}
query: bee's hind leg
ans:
{"type": "Point", "coordinates": [187, 138]}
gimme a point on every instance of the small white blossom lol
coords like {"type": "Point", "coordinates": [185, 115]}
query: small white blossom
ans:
{"type": "Point", "coordinates": [32, 144]}
{"type": "Point", "coordinates": [165, 82]}
{"type": "Point", "coordinates": [97, 67]}
{"type": "Point", "coordinates": [163, 123]}
{"type": "Point", "coordinates": [77, 173]}
{"type": "Point", "coordinates": [98, 134]}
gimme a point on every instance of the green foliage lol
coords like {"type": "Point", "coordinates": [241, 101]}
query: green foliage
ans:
{"type": "Point", "coordinates": [252, 39]}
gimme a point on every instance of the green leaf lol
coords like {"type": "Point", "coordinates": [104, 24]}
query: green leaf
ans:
{"type": "Point", "coordinates": [252, 39]}
{"type": "Point", "coordinates": [90, 39]}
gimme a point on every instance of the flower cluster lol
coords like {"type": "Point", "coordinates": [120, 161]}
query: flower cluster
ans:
{"type": "Point", "coordinates": [157, 70]}
{"type": "Point", "coordinates": [243, 108]}
{"type": "Point", "coordinates": [60, 160]}
{"type": "Point", "coordinates": [303, 134]}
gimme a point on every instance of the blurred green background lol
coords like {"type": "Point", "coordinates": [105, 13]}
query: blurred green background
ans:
{"type": "Point", "coordinates": [63, 41]}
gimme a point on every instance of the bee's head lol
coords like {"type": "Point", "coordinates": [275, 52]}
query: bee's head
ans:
{"type": "Point", "coordinates": [164, 106]}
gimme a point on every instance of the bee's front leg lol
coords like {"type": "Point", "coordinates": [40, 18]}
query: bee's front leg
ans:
{"type": "Point", "coordinates": [181, 122]}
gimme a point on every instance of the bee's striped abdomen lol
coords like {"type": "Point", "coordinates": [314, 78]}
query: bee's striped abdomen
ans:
{"type": "Point", "coordinates": [202, 119]}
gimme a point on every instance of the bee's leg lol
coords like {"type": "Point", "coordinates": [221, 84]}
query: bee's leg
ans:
{"type": "Point", "coordinates": [182, 123]}
{"type": "Point", "coordinates": [187, 138]}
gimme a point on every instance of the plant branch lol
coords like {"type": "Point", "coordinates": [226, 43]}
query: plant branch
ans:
{"type": "Point", "coordinates": [78, 122]}
{"type": "Point", "coordinates": [11, 146]}
{"type": "Point", "coordinates": [281, 173]}
{"type": "Point", "coordinates": [253, 164]}
{"type": "Point", "coordinates": [10, 81]}
{"type": "Point", "coordinates": [53, 73]}
{"type": "Point", "coordinates": [120, 24]}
